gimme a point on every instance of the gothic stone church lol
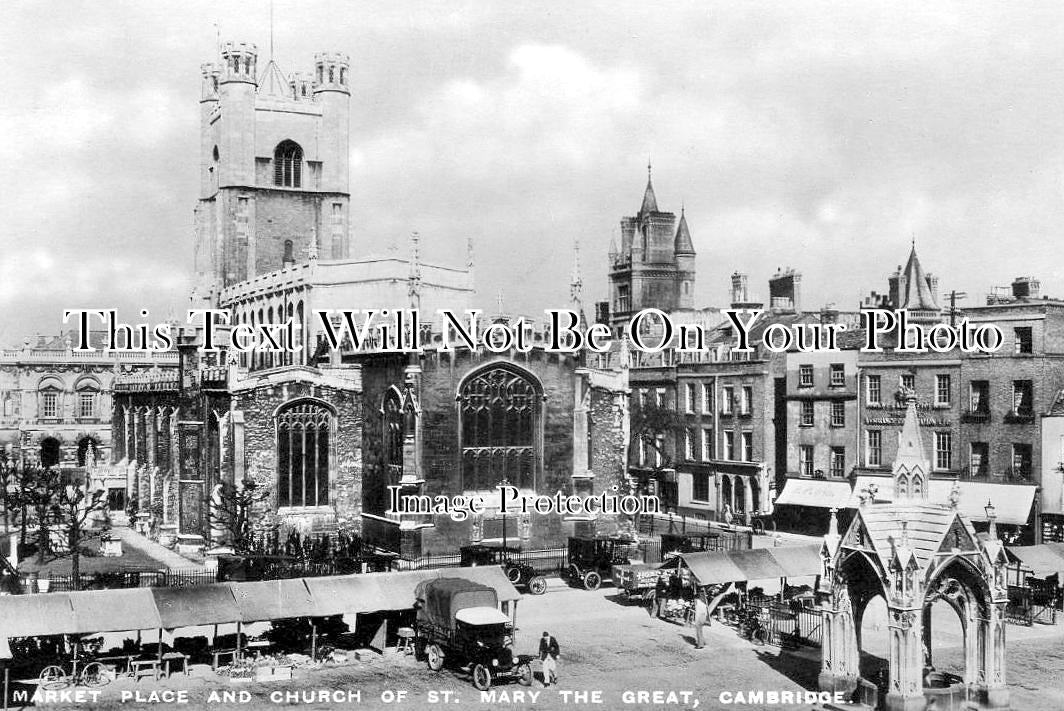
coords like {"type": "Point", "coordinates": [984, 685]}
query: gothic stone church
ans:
{"type": "Point", "coordinates": [326, 432]}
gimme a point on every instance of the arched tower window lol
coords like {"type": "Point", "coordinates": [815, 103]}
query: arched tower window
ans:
{"type": "Point", "coordinates": [289, 252]}
{"type": "Point", "coordinates": [393, 433]}
{"type": "Point", "coordinates": [499, 410]}
{"type": "Point", "coordinates": [303, 454]}
{"type": "Point", "coordinates": [287, 164]}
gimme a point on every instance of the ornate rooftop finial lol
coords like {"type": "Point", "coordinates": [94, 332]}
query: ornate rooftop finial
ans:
{"type": "Point", "coordinates": [576, 281]}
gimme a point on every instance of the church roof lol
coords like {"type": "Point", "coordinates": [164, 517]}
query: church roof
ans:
{"type": "Point", "coordinates": [650, 201]}
{"type": "Point", "coordinates": [917, 291]}
{"type": "Point", "coordinates": [683, 244]}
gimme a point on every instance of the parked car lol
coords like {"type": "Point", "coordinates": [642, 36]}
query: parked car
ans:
{"type": "Point", "coordinates": [521, 574]}
{"type": "Point", "coordinates": [592, 559]}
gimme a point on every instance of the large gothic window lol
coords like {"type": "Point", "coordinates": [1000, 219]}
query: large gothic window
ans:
{"type": "Point", "coordinates": [303, 454]}
{"type": "Point", "coordinates": [499, 410]}
{"type": "Point", "coordinates": [394, 432]}
{"type": "Point", "coordinates": [287, 164]}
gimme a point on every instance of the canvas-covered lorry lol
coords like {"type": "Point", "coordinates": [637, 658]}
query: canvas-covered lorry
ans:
{"type": "Point", "coordinates": [459, 623]}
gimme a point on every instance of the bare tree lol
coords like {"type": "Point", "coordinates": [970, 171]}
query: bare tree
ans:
{"type": "Point", "coordinates": [649, 422]}
{"type": "Point", "coordinates": [72, 507]}
{"type": "Point", "coordinates": [234, 509]}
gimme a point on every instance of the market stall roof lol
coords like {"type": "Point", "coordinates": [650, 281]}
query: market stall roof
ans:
{"type": "Point", "coordinates": [376, 592]}
{"type": "Point", "coordinates": [1012, 501]}
{"type": "Point", "coordinates": [33, 615]}
{"type": "Point", "coordinates": [275, 600]}
{"type": "Point", "coordinates": [114, 610]}
{"type": "Point", "coordinates": [1042, 560]}
{"type": "Point", "coordinates": [758, 564]}
{"type": "Point", "coordinates": [821, 493]}
{"type": "Point", "coordinates": [798, 561]}
{"type": "Point", "coordinates": [197, 605]}
{"type": "Point", "coordinates": [717, 567]}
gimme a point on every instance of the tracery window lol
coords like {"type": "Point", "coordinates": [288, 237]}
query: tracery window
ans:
{"type": "Point", "coordinates": [394, 432]}
{"type": "Point", "coordinates": [287, 164]}
{"type": "Point", "coordinates": [499, 409]}
{"type": "Point", "coordinates": [303, 454]}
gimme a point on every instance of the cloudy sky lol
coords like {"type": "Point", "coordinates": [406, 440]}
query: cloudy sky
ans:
{"type": "Point", "coordinates": [814, 135]}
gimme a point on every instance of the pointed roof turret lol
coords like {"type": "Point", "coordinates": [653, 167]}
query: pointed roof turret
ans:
{"type": "Point", "coordinates": [683, 243]}
{"type": "Point", "coordinates": [918, 296]}
{"type": "Point", "coordinates": [650, 201]}
{"type": "Point", "coordinates": [910, 441]}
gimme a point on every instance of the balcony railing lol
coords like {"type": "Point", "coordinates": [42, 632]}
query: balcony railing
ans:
{"type": "Point", "coordinates": [1023, 416]}
{"type": "Point", "coordinates": [975, 416]}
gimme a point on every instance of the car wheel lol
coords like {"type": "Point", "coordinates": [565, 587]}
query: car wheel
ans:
{"type": "Point", "coordinates": [592, 580]}
{"type": "Point", "coordinates": [537, 585]}
{"type": "Point", "coordinates": [481, 677]}
{"type": "Point", "coordinates": [435, 657]}
{"type": "Point", "coordinates": [514, 574]}
{"type": "Point", "coordinates": [524, 674]}
{"type": "Point", "coordinates": [574, 574]}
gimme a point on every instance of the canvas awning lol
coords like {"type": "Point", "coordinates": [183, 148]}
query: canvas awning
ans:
{"type": "Point", "coordinates": [33, 615]}
{"type": "Point", "coordinates": [1041, 560]}
{"type": "Point", "coordinates": [274, 600]}
{"type": "Point", "coordinates": [1012, 502]}
{"type": "Point", "coordinates": [197, 605]}
{"type": "Point", "coordinates": [798, 561]}
{"type": "Point", "coordinates": [716, 567]}
{"type": "Point", "coordinates": [821, 493]}
{"type": "Point", "coordinates": [114, 610]}
{"type": "Point", "coordinates": [758, 564]}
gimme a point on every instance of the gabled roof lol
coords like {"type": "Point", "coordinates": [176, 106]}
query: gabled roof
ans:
{"type": "Point", "coordinates": [927, 526]}
{"type": "Point", "coordinates": [683, 243]}
{"type": "Point", "coordinates": [917, 291]}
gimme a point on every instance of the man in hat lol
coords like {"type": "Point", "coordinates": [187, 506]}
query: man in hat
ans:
{"type": "Point", "coordinates": [548, 657]}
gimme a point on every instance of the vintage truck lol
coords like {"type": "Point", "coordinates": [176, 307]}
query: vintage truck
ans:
{"type": "Point", "coordinates": [459, 623]}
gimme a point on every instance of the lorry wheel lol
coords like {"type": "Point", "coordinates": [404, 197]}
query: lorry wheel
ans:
{"type": "Point", "coordinates": [592, 580]}
{"type": "Point", "coordinates": [537, 585]}
{"type": "Point", "coordinates": [524, 674]}
{"type": "Point", "coordinates": [481, 677]}
{"type": "Point", "coordinates": [435, 657]}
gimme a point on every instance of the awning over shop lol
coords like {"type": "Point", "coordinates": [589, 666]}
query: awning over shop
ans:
{"type": "Point", "coordinates": [716, 567]}
{"type": "Point", "coordinates": [117, 611]}
{"type": "Point", "coordinates": [197, 605]}
{"type": "Point", "coordinates": [33, 615]}
{"type": "Point", "coordinates": [274, 600]}
{"type": "Point", "coordinates": [1012, 501]}
{"type": "Point", "coordinates": [822, 493]}
{"type": "Point", "coordinates": [1041, 560]}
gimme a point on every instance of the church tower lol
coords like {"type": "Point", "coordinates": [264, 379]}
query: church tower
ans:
{"type": "Point", "coordinates": [274, 165]}
{"type": "Point", "coordinates": [655, 264]}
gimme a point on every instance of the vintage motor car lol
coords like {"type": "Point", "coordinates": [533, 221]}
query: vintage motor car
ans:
{"type": "Point", "coordinates": [521, 574]}
{"type": "Point", "coordinates": [591, 559]}
{"type": "Point", "coordinates": [459, 623]}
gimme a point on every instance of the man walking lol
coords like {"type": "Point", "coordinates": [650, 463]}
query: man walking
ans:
{"type": "Point", "coordinates": [701, 618]}
{"type": "Point", "coordinates": [548, 657]}
{"type": "Point", "coordinates": [661, 595]}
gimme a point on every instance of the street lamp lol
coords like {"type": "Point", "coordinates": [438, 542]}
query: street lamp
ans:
{"type": "Point", "coordinates": [991, 515]}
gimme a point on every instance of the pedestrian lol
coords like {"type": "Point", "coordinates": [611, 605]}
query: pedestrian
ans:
{"type": "Point", "coordinates": [548, 657]}
{"type": "Point", "coordinates": [701, 618]}
{"type": "Point", "coordinates": [661, 595]}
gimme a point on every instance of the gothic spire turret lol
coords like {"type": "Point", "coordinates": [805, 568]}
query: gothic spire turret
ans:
{"type": "Point", "coordinates": [918, 295]}
{"type": "Point", "coordinates": [683, 243]}
{"type": "Point", "coordinates": [650, 201]}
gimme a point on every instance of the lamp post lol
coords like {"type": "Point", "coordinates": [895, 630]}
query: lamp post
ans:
{"type": "Point", "coordinates": [504, 483]}
{"type": "Point", "coordinates": [991, 516]}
